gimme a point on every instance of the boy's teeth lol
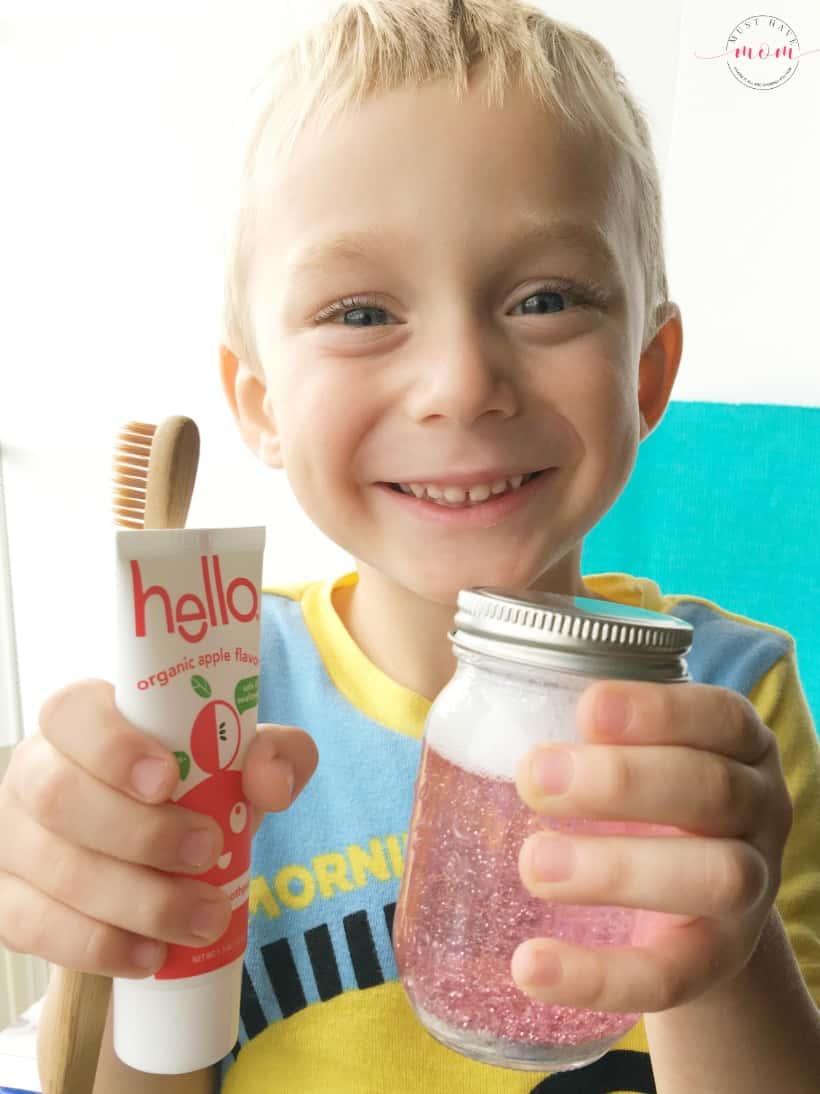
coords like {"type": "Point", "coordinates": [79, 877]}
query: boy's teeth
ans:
{"type": "Point", "coordinates": [458, 495]}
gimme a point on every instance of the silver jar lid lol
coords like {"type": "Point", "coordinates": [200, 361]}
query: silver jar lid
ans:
{"type": "Point", "coordinates": [574, 634]}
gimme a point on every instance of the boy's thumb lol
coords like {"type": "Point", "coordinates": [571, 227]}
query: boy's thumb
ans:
{"type": "Point", "coordinates": [278, 764]}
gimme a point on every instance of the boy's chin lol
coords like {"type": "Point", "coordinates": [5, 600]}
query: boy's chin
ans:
{"type": "Point", "coordinates": [442, 586]}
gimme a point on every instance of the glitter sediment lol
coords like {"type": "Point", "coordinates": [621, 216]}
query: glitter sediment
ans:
{"type": "Point", "coordinates": [463, 912]}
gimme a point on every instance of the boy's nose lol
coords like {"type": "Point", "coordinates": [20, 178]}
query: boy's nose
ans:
{"type": "Point", "coordinates": [464, 375]}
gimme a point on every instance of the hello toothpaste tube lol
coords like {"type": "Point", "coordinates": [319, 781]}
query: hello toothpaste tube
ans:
{"type": "Point", "coordinates": [188, 623]}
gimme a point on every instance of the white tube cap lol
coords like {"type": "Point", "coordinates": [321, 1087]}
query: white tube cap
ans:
{"type": "Point", "coordinates": [171, 1027]}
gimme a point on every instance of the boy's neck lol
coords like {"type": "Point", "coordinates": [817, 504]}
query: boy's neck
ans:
{"type": "Point", "coordinates": [406, 636]}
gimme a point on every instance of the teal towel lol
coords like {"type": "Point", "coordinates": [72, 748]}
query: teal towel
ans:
{"type": "Point", "coordinates": [724, 503]}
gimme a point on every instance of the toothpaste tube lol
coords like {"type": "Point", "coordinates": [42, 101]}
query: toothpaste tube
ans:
{"type": "Point", "coordinates": [188, 611]}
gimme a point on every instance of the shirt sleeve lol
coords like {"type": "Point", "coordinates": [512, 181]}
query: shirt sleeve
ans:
{"type": "Point", "coordinates": [781, 703]}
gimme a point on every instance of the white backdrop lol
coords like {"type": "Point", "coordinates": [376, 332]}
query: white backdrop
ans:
{"type": "Point", "coordinates": [114, 126]}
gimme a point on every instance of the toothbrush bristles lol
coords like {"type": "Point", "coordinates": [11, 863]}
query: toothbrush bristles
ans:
{"type": "Point", "coordinates": [131, 455]}
{"type": "Point", "coordinates": [141, 429]}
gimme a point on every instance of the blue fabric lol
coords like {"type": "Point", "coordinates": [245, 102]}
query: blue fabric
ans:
{"type": "Point", "coordinates": [725, 501]}
{"type": "Point", "coordinates": [337, 809]}
{"type": "Point", "coordinates": [724, 650]}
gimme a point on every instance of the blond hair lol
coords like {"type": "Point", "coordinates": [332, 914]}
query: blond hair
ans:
{"type": "Point", "coordinates": [363, 46]}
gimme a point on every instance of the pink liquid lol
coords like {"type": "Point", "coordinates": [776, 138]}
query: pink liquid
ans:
{"type": "Point", "coordinates": [463, 911]}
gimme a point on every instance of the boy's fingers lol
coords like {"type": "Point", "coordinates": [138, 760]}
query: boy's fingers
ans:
{"type": "Point", "coordinates": [38, 924]}
{"type": "Point", "coordinates": [279, 762]}
{"type": "Point", "coordinates": [133, 898]}
{"type": "Point", "coordinates": [698, 715]}
{"type": "Point", "coordinates": [640, 979]}
{"type": "Point", "coordinates": [673, 786]}
{"type": "Point", "coordinates": [66, 800]}
{"type": "Point", "coordinates": [124, 758]}
{"type": "Point", "coordinates": [684, 876]}
{"type": "Point", "coordinates": [82, 723]}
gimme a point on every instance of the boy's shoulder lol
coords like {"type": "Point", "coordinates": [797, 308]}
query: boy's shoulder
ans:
{"type": "Point", "coordinates": [728, 649]}
{"type": "Point", "coordinates": [319, 589]}
{"type": "Point", "coordinates": [294, 616]}
{"type": "Point", "coordinates": [295, 591]}
{"type": "Point", "coordinates": [291, 607]}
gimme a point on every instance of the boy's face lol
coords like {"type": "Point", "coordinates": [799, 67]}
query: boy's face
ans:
{"type": "Point", "coordinates": [473, 352]}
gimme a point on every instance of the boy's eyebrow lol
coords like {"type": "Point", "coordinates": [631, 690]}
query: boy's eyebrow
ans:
{"type": "Point", "coordinates": [358, 246]}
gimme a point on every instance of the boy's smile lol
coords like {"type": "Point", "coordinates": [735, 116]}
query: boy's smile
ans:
{"type": "Point", "coordinates": [480, 500]}
{"type": "Point", "coordinates": [448, 305]}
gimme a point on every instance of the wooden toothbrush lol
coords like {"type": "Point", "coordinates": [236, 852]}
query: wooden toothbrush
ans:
{"type": "Point", "coordinates": [154, 472]}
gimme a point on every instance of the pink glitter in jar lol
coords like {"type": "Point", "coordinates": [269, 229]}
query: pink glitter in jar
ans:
{"type": "Point", "coordinates": [523, 662]}
{"type": "Point", "coordinates": [470, 911]}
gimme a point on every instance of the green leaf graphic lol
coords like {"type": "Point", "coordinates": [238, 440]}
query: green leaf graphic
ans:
{"type": "Point", "coordinates": [184, 761]}
{"type": "Point", "coordinates": [201, 686]}
{"type": "Point", "coordinates": [246, 695]}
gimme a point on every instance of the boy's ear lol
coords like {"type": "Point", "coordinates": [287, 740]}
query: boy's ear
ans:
{"type": "Point", "coordinates": [658, 368]}
{"type": "Point", "coordinates": [251, 406]}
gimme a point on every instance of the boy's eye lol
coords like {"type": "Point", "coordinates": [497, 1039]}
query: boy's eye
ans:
{"type": "Point", "coordinates": [354, 311]}
{"type": "Point", "coordinates": [363, 317]}
{"type": "Point", "coordinates": [558, 298]}
{"type": "Point", "coordinates": [543, 302]}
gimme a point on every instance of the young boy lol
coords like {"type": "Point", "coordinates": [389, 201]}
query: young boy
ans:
{"type": "Point", "coordinates": [447, 320]}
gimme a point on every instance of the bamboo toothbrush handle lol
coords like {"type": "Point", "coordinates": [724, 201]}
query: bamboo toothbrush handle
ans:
{"type": "Point", "coordinates": [172, 469]}
{"type": "Point", "coordinates": [77, 1003]}
{"type": "Point", "coordinates": [74, 1017]}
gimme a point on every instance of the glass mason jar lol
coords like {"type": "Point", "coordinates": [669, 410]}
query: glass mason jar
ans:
{"type": "Point", "coordinates": [523, 662]}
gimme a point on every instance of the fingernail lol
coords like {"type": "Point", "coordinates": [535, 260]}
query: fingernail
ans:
{"type": "Point", "coordinates": [198, 847]}
{"type": "Point", "coordinates": [551, 770]}
{"type": "Point", "coordinates": [208, 919]}
{"type": "Point", "coordinates": [534, 966]}
{"type": "Point", "coordinates": [147, 955]}
{"type": "Point", "coordinates": [150, 775]}
{"type": "Point", "coordinates": [613, 712]}
{"type": "Point", "coordinates": [287, 773]}
{"type": "Point", "coordinates": [552, 858]}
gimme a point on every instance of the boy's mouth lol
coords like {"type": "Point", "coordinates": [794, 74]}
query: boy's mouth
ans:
{"type": "Point", "coordinates": [462, 497]}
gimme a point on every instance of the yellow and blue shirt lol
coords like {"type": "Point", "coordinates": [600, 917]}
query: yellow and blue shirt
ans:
{"type": "Point", "coordinates": [322, 1009]}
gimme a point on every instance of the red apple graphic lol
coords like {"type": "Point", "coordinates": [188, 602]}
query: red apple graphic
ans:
{"type": "Point", "coordinates": [215, 736]}
{"type": "Point", "coordinates": [214, 743]}
{"type": "Point", "coordinates": [221, 797]}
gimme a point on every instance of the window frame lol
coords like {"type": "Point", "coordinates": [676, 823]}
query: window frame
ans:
{"type": "Point", "coordinates": [11, 709]}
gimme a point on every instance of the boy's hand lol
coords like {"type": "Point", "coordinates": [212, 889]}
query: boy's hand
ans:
{"type": "Point", "coordinates": [692, 756]}
{"type": "Point", "coordinates": [88, 832]}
